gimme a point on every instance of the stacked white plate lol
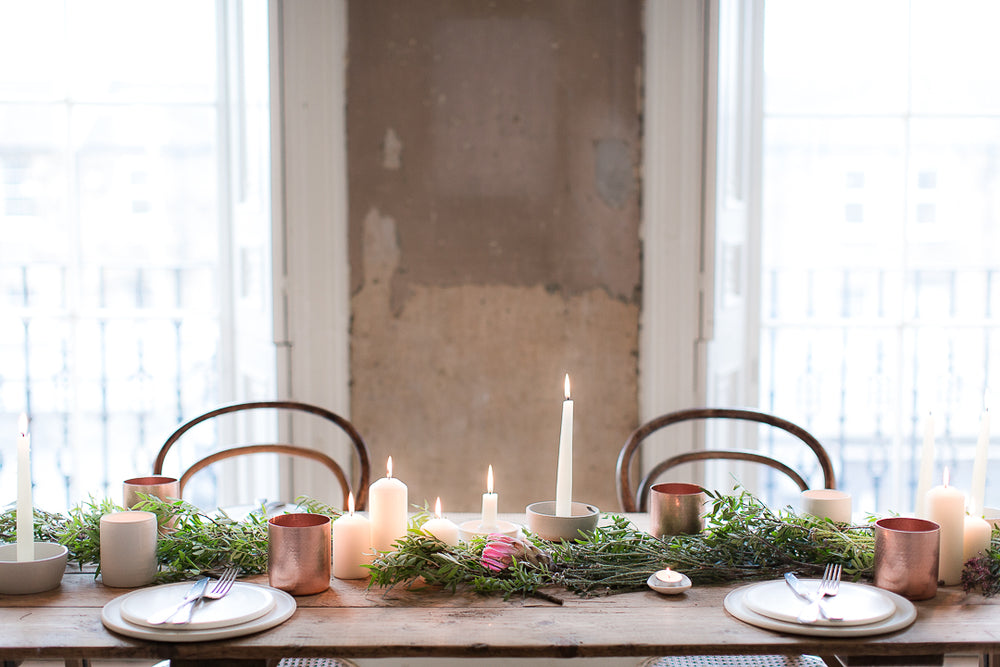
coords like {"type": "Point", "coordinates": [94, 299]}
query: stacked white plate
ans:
{"type": "Point", "coordinates": [866, 610]}
{"type": "Point", "coordinates": [246, 609]}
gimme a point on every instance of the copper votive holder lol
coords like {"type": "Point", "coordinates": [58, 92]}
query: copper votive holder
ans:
{"type": "Point", "coordinates": [164, 488]}
{"type": "Point", "coordinates": [676, 508]}
{"type": "Point", "coordinates": [906, 556]}
{"type": "Point", "coordinates": [299, 553]}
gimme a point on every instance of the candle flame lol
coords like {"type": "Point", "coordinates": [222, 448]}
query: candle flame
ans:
{"type": "Point", "coordinates": [946, 476]}
{"type": "Point", "coordinates": [350, 502]}
{"type": "Point", "coordinates": [489, 480]}
{"type": "Point", "coordinates": [388, 467]}
{"type": "Point", "coordinates": [22, 424]}
{"type": "Point", "coordinates": [566, 386]}
{"type": "Point", "coordinates": [437, 508]}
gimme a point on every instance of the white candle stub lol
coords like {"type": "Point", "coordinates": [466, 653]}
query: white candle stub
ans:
{"type": "Point", "coordinates": [442, 528]}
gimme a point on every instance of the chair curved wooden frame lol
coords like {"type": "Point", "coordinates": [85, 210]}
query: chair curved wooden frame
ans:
{"type": "Point", "coordinates": [360, 448]}
{"type": "Point", "coordinates": [636, 500]}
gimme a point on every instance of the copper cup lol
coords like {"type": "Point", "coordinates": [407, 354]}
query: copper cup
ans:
{"type": "Point", "coordinates": [906, 556]}
{"type": "Point", "coordinates": [164, 488]}
{"type": "Point", "coordinates": [299, 553]}
{"type": "Point", "coordinates": [676, 509]}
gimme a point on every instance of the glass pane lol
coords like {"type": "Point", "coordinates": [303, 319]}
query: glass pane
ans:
{"type": "Point", "coordinates": [955, 52]}
{"type": "Point", "coordinates": [113, 190]}
{"type": "Point", "coordinates": [835, 57]}
{"type": "Point", "coordinates": [143, 51]}
{"type": "Point", "coordinates": [880, 246]}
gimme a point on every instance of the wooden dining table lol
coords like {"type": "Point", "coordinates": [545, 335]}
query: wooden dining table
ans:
{"type": "Point", "coordinates": [354, 621]}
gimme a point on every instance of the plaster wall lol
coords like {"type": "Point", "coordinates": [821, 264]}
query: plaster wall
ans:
{"type": "Point", "coordinates": [493, 150]}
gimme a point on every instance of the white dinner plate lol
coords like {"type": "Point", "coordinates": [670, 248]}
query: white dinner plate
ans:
{"type": "Point", "coordinates": [903, 616]}
{"type": "Point", "coordinates": [243, 603]}
{"type": "Point", "coordinates": [858, 604]}
{"type": "Point", "coordinates": [284, 607]}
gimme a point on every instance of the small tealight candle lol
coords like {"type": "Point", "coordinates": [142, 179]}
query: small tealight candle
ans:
{"type": "Point", "coordinates": [669, 576]}
{"type": "Point", "coordinates": [441, 528]}
{"type": "Point", "coordinates": [668, 582]}
{"type": "Point", "coordinates": [489, 522]}
{"type": "Point", "coordinates": [352, 544]}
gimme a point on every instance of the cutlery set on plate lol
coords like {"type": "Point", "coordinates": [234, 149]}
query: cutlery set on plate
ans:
{"type": "Point", "coordinates": [182, 612]}
{"type": "Point", "coordinates": [820, 607]}
{"type": "Point", "coordinates": [829, 586]}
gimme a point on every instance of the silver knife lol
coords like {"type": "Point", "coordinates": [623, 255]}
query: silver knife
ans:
{"type": "Point", "coordinates": [193, 594]}
{"type": "Point", "coordinates": [810, 597]}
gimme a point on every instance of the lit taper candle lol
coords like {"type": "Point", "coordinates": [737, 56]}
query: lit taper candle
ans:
{"type": "Point", "coordinates": [564, 474]}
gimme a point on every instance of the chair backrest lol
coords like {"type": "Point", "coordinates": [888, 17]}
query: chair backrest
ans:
{"type": "Point", "coordinates": [635, 498]}
{"type": "Point", "coordinates": [360, 448]}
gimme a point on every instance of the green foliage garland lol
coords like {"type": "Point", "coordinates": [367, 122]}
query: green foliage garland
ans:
{"type": "Point", "coordinates": [743, 540]}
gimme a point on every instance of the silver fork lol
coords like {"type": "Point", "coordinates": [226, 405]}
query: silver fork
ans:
{"type": "Point", "coordinates": [221, 587]}
{"type": "Point", "coordinates": [829, 586]}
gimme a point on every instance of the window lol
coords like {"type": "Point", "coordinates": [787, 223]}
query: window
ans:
{"type": "Point", "coordinates": [880, 237]}
{"type": "Point", "coordinates": [131, 162]}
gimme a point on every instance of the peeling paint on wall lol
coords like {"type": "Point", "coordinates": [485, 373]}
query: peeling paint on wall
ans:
{"type": "Point", "coordinates": [392, 150]}
{"type": "Point", "coordinates": [503, 251]}
{"type": "Point", "coordinates": [465, 377]}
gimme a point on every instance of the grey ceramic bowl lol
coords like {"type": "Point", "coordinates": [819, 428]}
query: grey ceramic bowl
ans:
{"type": "Point", "coordinates": [542, 520]}
{"type": "Point", "coordinates": [32, 576]}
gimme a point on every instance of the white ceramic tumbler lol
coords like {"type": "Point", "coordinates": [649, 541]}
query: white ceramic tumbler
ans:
{"type": "Point", "coordinates": [128, 549]}
{"type": "Point", "coordinates": [827, 504]}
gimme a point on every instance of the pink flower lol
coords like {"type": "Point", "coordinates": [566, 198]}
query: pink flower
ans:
{"type": "Point", "coordinates": [501, 551]}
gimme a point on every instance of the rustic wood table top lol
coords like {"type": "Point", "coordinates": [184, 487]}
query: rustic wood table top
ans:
{"type": "Point", "coordinates": [350, 620]}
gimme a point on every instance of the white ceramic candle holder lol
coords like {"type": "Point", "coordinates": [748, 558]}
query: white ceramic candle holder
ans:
{"type": "Point", "coordinates": [32, 576]}
{"type": "Point", "coordinates": [543, 522]}
{"type": "Point", "coordinates": [473, 527]}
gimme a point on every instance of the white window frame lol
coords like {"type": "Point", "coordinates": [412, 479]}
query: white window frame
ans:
{"type": "Point", "coordinates": [309, 200]}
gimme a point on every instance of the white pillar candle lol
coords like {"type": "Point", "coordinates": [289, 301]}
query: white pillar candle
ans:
{"type": "Point", "coordinates": [976, 537]}
{"type": "Point", "coordinates": [387, 507]}
{"type": "Point", "coordinates": [25, 513]}
{"type": "Point", "coordinates": [926, 467]}
{"type": "Point", "coordinates": [489, 521]}
{"type": "Point", "coordinates": [352, 544]}
{"type": "Point", "coordinates": [946, 507]}
{"type": "Point", "coordinates": [978, 490]}
{"type": "Point", "coordinates": [564, 473]}
{"type": "Point", "coordinates": [441, 528]}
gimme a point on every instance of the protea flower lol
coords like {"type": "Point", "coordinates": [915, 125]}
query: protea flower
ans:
{"type": "Point", "coordinates": [501, 551]}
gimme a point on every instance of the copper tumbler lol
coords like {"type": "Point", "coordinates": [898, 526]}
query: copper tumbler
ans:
{"type": "Point", "coordinates": [299, 553]}
{"type": "Point", "coordinates": [676, 508]}
{"type": "Point", "coordinates": [906, 556]}
{"type": "Point", "coordinates": [164, 488]}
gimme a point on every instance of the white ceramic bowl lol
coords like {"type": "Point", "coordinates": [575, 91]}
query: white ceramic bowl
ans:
{"type": "Point", "coordinates": [32, 576]}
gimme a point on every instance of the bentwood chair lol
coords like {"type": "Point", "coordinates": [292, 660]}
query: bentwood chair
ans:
{"type": "Point", "coordinates": [361, 456]}
{"type": "Point", "coordinates": [633, 498]}
{"type": "Point", "coordinates": [360, 449]}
